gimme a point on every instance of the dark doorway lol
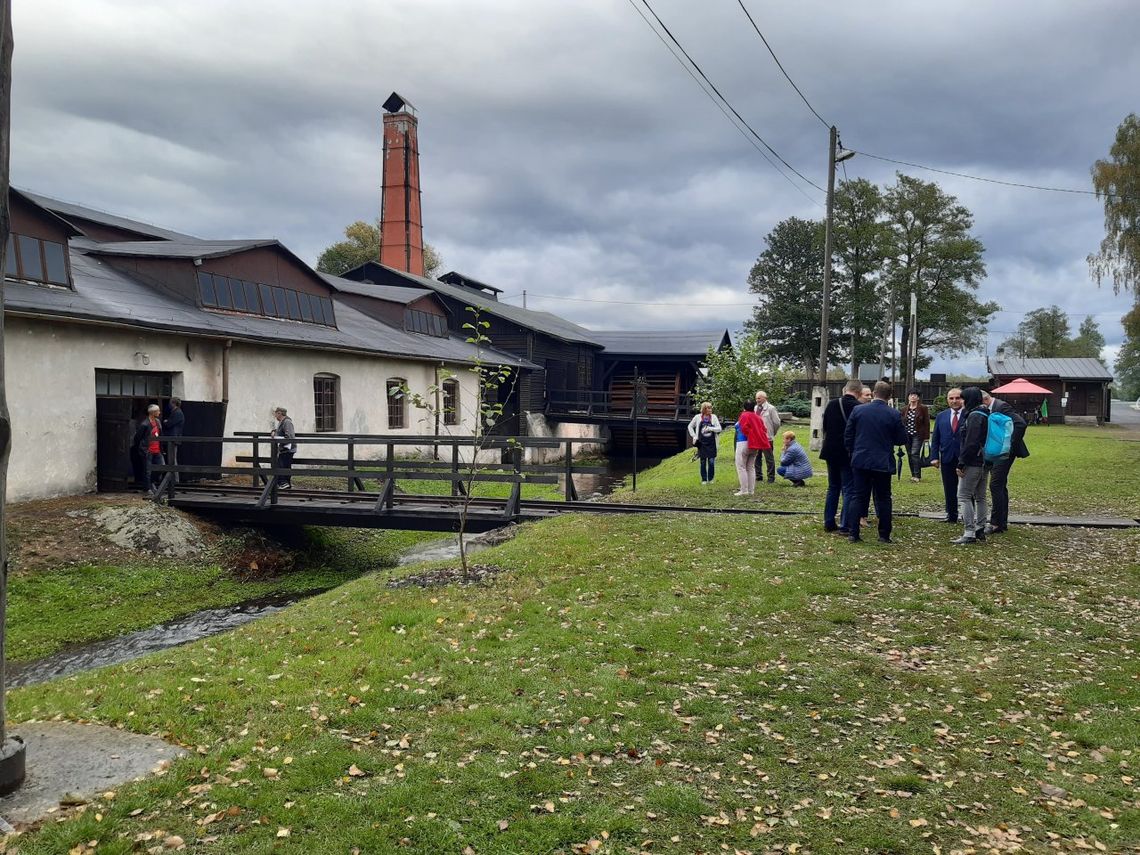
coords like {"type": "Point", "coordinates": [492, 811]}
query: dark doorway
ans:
{"type": "Point", "coordinates": [203, 418]}
{"type": "Point", "coordinates": [114, 431]}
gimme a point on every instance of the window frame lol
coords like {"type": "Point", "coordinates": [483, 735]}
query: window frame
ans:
{"type": "Point", "coordinates": [450, 389]}
{"type": "Point", "coordinates": [397, 404]}
{"type": "Point", "coordinates": [326, 402]}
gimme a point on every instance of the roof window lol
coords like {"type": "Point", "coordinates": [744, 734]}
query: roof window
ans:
{"type": "Point", "coordinates": [36, 260]}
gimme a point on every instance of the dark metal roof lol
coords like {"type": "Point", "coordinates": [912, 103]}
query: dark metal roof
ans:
{"type": "Point", "coordinates": [33, 200]}
{"type": "Point", "coordinates": [454, 277]}
{"type": "Point", "coordinates": [391, 293]}
{"type": "Point", "coordinates": [1064, 368]}
{"type": "Point", "coordinates": [688, 343]}
{"type": "Point", "coordinates": [103, 294]}
{"type": "Point", "coordinates": [176, 248]}
{"type": "Point", "coordinates": [66, 209]}
{"type": "Point", "coordinates": [542, 322]}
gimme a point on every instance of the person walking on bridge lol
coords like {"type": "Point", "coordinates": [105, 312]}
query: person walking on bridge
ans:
{"type": "Point", "coordinates": [285, 450]}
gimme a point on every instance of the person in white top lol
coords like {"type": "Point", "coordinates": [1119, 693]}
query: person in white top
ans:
{"type": "Point", "coordinates": [771, 418]}
{"type": "Point", "coordinates": [703, 431]}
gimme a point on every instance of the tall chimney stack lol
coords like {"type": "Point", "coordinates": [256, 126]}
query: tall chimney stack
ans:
{"type": "Point", "coordinates": [401, 227]}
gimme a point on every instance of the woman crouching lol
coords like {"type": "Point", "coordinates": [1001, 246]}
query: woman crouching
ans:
{"type": "Point", "coordinates": [794, 463]}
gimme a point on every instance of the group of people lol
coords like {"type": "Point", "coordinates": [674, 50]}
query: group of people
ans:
{"type": "Point", "coordinates": [755, 458]}
{"type": "Point", "coordinates": [858, 447]}
{"type": "Point", "coordinates": [146, 450]}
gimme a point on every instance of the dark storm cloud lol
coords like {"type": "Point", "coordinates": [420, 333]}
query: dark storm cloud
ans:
{"type": "Point", "coordinates": [565, 152]}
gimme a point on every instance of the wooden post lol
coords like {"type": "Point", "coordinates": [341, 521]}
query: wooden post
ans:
{"type": "Point", "coordinates": [256, 462]}
{"type": "Point", "coordinates": [351, 461]}
{"type": "Point", "coordinates": [455, 486]}
{"type": "Point", "coordinates": [11, 749]}
{"type": "Point", "coordinates": [390, 471]}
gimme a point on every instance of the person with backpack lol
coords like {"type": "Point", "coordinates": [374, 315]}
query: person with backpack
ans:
{"type": "Point", "coordinates": [999, 475]}
{"type": "Point", "coordinates": [973, 470]}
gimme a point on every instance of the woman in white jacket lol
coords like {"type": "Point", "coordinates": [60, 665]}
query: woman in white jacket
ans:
{"type": "Point", "coordinates": [703, 431]}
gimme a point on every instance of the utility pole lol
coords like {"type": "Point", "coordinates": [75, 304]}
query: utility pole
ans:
{"type": "Point", "coordinates": [819, 395]}
{"type": "Point", "coordinates": [912, 343]}
{"type": "Point", "coordinates": [524, 298]}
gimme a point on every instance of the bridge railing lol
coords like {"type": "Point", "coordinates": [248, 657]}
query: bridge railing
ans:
{"type": "Point", "coordinates": [454, 459]}
{"type": "Point", "coordinates": [607, 405]}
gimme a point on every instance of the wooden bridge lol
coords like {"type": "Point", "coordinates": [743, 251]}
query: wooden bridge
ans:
{"type": "Point", "coordinates": [373, 486]}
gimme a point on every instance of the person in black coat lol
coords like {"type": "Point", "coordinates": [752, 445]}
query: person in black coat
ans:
{"type": "Point", "coordinates": [999, 475]}
{"type": "Point", "coordinates": [973, 471]}
{"type": "Point", "coordinates": [873, 430]}
{"type": "Point", "coordinates": [173, 425]}
{"type": "Point", "coordinates": [834, 454]}
{"type": "Point", "coordinates": [944, 449]}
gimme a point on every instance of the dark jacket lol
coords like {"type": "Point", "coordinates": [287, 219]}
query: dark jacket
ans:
{"type": "Point", "coordinates": [973, 442]}
{"type": "Point", "coordinates": [945, 445]}
{"type": "Point", "coordinates": [172, 425]}
{"type": "Point", "coordinates": [873, 430]}
{"type": "Point", "coordinates": [835, 416]}
{"type": "Point", "coordinates": [1017, 447]}
{"type": "Point", "coordinates": [921, 420]}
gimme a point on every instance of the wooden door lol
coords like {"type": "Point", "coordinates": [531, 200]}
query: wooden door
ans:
{"type": "Point", "coordinates": [203, 418]}
{"type": "Point", "coordinates": [114, 430]}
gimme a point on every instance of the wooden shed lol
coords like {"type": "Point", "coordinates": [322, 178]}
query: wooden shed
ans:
{"type": "Point", "coordinates": [1078, 386]}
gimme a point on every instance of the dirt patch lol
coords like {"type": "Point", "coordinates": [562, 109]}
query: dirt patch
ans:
{"type": "Point", "coordinates": [448, 576]}
{"type": "Point", "coordinates": [151, 529]}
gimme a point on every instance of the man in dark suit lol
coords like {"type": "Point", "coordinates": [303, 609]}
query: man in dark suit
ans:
{"type": "Point", "coordinates": [834, 453]}
{"type": "Point", "coordinates": [873, 430]}
{"type": "Point", "coordinates": [999, 476]}
{"type": "Point", "coordinates": [944, 448]}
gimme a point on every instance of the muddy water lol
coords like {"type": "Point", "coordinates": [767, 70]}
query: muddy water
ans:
{"type": "Point", "coordinates": [150, 640]}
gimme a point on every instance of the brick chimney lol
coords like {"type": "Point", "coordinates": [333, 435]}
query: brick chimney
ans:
{"type": "Point", "coordinates": [401, 229]}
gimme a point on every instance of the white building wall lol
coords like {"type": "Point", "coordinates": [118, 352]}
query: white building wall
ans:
{"type": "Point", "coordinates": [50, 368]}
{"type": "Point", "coordinates": [50, 374]}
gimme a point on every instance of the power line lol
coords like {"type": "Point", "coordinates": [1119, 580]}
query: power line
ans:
{"type": "Point", "coordinates": [988, 180]}
{"type": "Point", "coordinates": [727, 103]}
{"type": "Point", "coordinates": [720, 106]}
{"type": "Point", "coordinates": [780, 65]}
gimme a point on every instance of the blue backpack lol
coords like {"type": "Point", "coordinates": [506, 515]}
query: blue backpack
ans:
{"type": "Point", "coordinates": [999, 438]}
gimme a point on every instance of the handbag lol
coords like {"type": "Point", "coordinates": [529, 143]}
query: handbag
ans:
{"type": "Point", "coordinates": [924, 455]}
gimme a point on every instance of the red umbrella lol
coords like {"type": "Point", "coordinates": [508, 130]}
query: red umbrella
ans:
{"type": "Point", "coordinates": [1020, 386]}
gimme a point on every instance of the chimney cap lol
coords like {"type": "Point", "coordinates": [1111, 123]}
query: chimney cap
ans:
{"type": "Point", "coordinates": [396, 103]}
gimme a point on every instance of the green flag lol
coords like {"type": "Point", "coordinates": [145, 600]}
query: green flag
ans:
{"type": "Point", "coordinates": [1045, 409]}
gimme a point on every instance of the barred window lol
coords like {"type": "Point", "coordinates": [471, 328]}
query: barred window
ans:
{"type": "Point", "coordinates": [397, 404]}
{"type": "Point", "coordinates": [326, 391]}
{"type": "Point", "coordinates": [451, 402]}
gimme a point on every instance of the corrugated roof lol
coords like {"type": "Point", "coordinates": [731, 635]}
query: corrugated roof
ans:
{"type": "Point", "coordinates": [454, 277]}
{"type": "Point", "coordinates": [175, 248]}
{"type": "Point", "coordinates": [391, 293]}
{"type": "Point", "coordinates": [104, 294]}
{"type": "Point", "coordinates": [65, 209]}
{"type": "Point", "coordinates": [693, 343]}
{"type": "Point", "coordinates": [543, 322]}
{"type": "Point", "coordinates": [1065, 368]}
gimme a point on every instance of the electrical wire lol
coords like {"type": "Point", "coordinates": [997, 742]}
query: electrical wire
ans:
{"type": "Point", "coordinates": [720, 106]}
{"type": "Point", "coordinates": [780, 65]}
{"type": "Point", "coordinates": [727, 103]}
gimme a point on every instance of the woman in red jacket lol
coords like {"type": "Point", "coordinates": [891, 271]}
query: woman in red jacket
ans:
{"type": "Point", "coordinates": [751, 439]}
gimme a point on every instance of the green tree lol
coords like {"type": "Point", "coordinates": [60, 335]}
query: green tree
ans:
{"type": "Point", "coordinates": [735, 376]}
{"type": "Point", "coordinates": [933, 254]}
{"type": "Point", "coordinates": [361, 244]}
{"type": "Point", "coordinates": [1117, 183]}
{"type": "Point", "coordinates": [861, 240]}
{"type": "Point", "coordinates": [1128, 359]}
{"type": "Point", "coordinates": [1089, 340]}
{"type": "Point", "coordinates": [788, 281]}
{"type": "Point", "coordinates": [1043, 333]}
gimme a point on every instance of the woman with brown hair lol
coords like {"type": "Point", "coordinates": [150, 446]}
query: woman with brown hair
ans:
{"type": "Point", "coordinates": [916, 420]}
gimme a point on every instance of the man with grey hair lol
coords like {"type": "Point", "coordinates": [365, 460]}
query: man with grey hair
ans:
{"type": "Point", "coordinates": [771, 418]}
{"type": "Point", "coordinates": [285, 431]}
{"type": "Point", "coordinates": [999, 475]}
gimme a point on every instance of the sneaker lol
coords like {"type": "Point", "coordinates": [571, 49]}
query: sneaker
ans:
{"type": "Point", "coordinates": [993, 529]}
{"type": "Point", "coordinates": [961, 541]}
{"type": "Point", "coordinates": [915, 480]}
{"type": "Point", "coordinates": [740, 493]}
{"type": "Point", "coordinates": [284, 486]}
{"type": "Point", "coordinates": [703, 483]}
{"type": "Point", "coordinates": [980, 535]}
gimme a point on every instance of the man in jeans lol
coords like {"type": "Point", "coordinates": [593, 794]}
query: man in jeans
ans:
{"type": "Point", "coordinates": [999, 475]}
{"type": "Point", "coordinates": [771, 419]}
{"type": "Point", "coordinates": [286, 449]}
{"type": "Point", "coordinates": [973, 471]}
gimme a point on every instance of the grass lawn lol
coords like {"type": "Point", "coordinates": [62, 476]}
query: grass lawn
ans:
{"type": "Point", "coordinates": [654, 684]}
{"type": "Point", "coordinates": [1079, 471]}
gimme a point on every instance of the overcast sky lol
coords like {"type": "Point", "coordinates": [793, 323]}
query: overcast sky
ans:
{"type": "Point", "coordinates": [565, 151]}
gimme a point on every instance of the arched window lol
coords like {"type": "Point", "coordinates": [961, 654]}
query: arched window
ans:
{"type": "Point", "coordinates": [326, 399]}
{"type": "Point", "coordinates": [451, 401]}
{"type": "Point", "coordinates": [397, 404]}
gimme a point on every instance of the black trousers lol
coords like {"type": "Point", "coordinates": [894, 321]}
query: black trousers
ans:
{"type": "Point", "coordinates": [285, 461]}
{"type": "Point", "coordinates": [999, 493]}
{"type": "Point", "coordinates": [869, 483]}
{"type": "Point", "coordinates": [765, 457]}
{"type": "Point", "coordinates": [948, 468]}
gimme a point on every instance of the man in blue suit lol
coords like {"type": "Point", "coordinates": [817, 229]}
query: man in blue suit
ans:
{"type": "Point", "coordinates": [873, 430]}
{"type": "Point", "coordinates": [944, 447]}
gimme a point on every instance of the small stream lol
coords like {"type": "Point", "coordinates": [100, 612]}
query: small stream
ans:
{"type": "Point", "coordinates": [203, 624]}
